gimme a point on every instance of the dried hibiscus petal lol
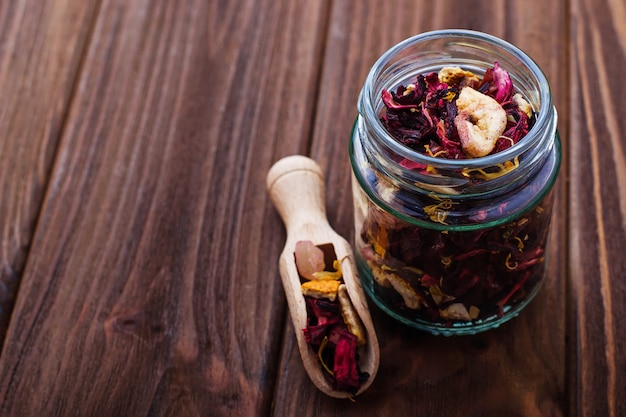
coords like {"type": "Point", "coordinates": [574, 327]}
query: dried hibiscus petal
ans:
{"type": "Point", "coordinates": [497, 83]}
{"type": "Point", "coordinates": [322, 312]}
{"type": "Point", "coordinates": [345, 364]}
{"type": "Point", "coordinates": [314, 335]}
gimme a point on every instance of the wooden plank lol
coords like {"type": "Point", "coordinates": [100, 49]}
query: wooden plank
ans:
{"type": "Point", "coordinates": [597, 356]}
{"type": "Point", "coordinates": [515, 370]}
{"type": "Point", "coordinates": [41, 46]}
{"type": "Point", "coordinates": [152, 284]}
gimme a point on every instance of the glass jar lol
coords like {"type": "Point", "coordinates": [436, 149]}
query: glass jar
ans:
{"type": "Point", "coordinates": [458, 247]}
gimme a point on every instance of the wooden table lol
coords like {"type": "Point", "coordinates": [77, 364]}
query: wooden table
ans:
{"type": "Point", "coordinates": [139, 248]}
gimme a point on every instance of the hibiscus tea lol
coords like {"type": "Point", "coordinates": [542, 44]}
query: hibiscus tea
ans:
{"type": "Point", "coordinates": [454, 156]}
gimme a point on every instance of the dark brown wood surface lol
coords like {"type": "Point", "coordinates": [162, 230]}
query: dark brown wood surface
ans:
{"type": "Point", "coordinates": [139, 249]}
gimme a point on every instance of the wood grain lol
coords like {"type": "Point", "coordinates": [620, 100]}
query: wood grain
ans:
{"type": "Point", "coordinates": [41, 47]}
{"type": "Point", "coordinates": [146, 291]}
{"type": "Point", "coordinates": [597, 192]}
{"type": "Point", "coordinates": [135, 137]}
{"type": "Point", "coordinates": [516, 370]}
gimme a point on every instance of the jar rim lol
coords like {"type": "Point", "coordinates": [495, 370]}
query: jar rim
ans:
{"type": "Point", "coordinates": [544, 126]}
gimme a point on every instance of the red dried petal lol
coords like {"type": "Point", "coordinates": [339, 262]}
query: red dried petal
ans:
{"type": "Point", "coordinates": [453, 149]}
{"type": "Point", "coordinates": [408, 164]}
{"type": "Point", "coordinates": [321, 311]}
{"type": "Point", "coordinates": [503, 84]}
{"type": "Point", "coordinates": [428, 280]}
{"type": "Point", "coordinates": [518, 130]}
{"type": "Point", "coordinates": [391, 103]}
{"type": "Point", "coordinates": [345, 366]}
{"type": "Point", "coordinates": [496, 83]}
{"type": "Point", "coordinates": [315, 334]}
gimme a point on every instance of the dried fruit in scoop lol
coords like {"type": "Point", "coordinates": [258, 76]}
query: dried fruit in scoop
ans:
{"type": "Point", "coordinates": [334, 329]}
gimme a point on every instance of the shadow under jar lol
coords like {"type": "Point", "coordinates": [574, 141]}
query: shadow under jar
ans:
{"type": "Point", "coordinates": [457, 246]}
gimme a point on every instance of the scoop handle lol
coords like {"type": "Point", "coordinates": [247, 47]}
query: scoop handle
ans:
{"type": "Point", "coordinates": [296, 187]}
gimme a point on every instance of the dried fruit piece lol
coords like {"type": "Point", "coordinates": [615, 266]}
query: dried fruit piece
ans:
{"type": "Point", "coordinates": [438, 295]}
{"type": "Point", "coordinates": [380, 276]}
{"type": "Point", "coordinates": [457, 76]}
{"type": "Point", "coordinates": [456, 311]}
{"type": "Point", "coordinates": [522, 104]}
{"type": "Point", "coordinates": [336, 274]}
{"type": "Point", "coordinates": [350, 316]}
{"type": "Point", "coordinates": [309, 258]}
{"type": "Point", "coordinates": [480, 122]}
{"type": "Point", "coordinates": [321, 288]}
{"type": "Point", "coordinates": [474, 312]}
{"type": "Point", "coordinates": [411, 298]}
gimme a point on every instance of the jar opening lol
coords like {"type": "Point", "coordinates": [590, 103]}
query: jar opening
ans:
{"type": "Point", "coordinates": [470, 50]}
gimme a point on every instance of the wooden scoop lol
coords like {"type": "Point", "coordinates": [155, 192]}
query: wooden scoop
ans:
{"type": "Point", "coordinates": [296, 186]}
